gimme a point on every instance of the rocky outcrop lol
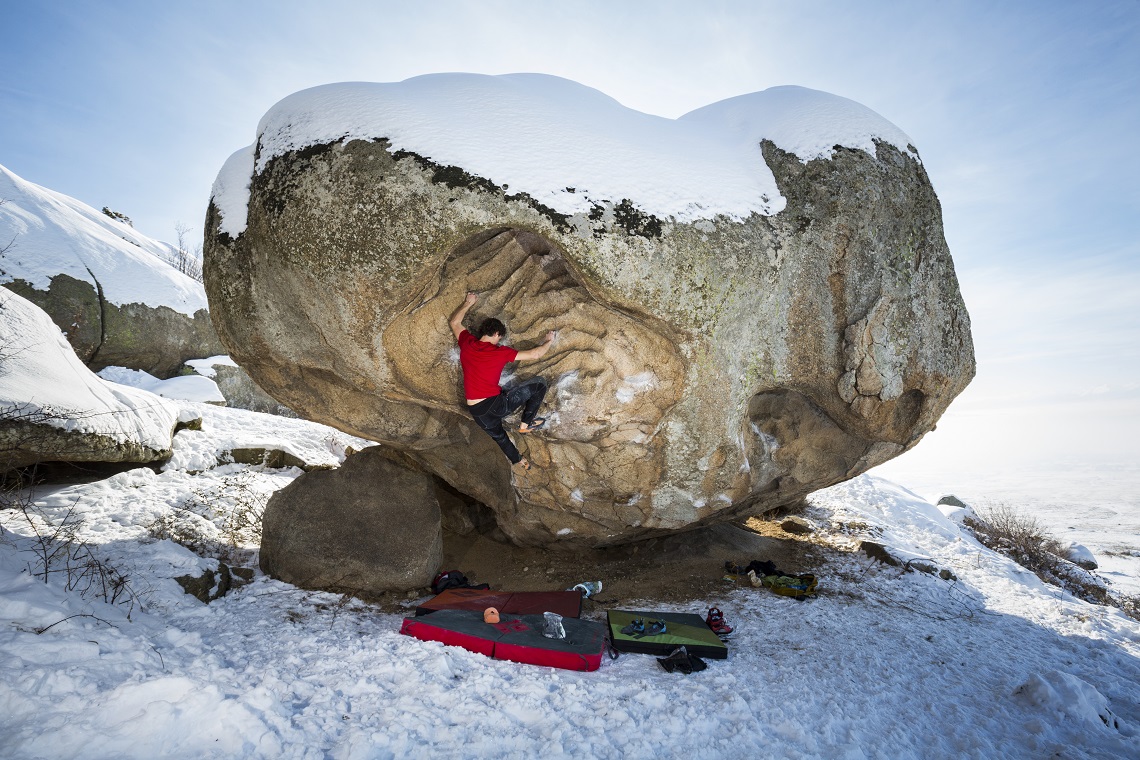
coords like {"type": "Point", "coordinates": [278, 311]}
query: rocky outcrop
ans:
{"type": "Point", "coordinates": [369, 527]}
{"type": "Point", "coordinates": [705, 370]}
{"type": "Point", "coordinates": [53, 409]}
{"type": "Point", "coordinates": [155, 339]}
{"type": "Point", "coordinates": [242, 393]}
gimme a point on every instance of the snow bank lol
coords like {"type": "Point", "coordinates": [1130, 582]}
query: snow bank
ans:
{"type": "Point", "coordinates": [39, 372]}
{"type": "Point", "coordinates": [53, 234]}
{"type": "Point", "coordinates": [567, 145]}
{"type": "Point", "coordinates": [185, 387]}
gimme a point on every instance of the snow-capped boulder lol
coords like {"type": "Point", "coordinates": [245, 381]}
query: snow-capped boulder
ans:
{"type": "Point", "coordinates": [754, 301]}
{"type": "Point", "coordinates": [1081, 556]}
{"type": "Point", "coordinates": [106, 286]}
{"type": "Point", "coordinates": [54, 409]}
{"type": "Point", "coordinates": [368, 527]}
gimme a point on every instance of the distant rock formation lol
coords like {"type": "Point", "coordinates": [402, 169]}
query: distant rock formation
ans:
{"type": "Point", "coordinates": [155, 339]}
{"type": "Point", "coordinates": [53, 409]}
{"type": "Point", "coordinates": [107, 287]}
{"type": "Point", "coordinates": [708, 367]}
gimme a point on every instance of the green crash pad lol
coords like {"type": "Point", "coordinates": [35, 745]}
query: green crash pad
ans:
{"type": "Point", "coordinates": [681, 629]}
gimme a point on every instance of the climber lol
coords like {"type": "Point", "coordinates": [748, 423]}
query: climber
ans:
{"type": "Point", "coordinates": [483, 359]}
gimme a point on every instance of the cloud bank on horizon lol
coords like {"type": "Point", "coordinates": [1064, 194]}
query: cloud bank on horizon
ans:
{"type": "Point", "coordinates": [1023, 114]}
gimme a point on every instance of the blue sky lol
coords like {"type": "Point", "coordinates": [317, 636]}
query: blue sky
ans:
{"type": "Point", "coordinates": [1026, 115]}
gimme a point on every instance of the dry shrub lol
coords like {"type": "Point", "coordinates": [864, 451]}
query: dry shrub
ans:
{"type": "Point", "coordinates": [1027, 542]}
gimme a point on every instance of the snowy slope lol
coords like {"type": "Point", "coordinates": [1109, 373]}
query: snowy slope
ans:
{"type": "Point", "coordinates": [881, 664]}
{"type": "Point", "coordinates": [39, 372]}
{"type": "Point", "coordinates": [567, 145]}
{"type": "Point", "coordinates": [53, 234]}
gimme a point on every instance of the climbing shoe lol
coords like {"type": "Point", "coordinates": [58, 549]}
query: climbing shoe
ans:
{"type": "Point", "coordinates": [655, 628]}
{"type": "Point", "coordinates": [636, 627]}
{"type": "Point", "coordinates": [715, 621]}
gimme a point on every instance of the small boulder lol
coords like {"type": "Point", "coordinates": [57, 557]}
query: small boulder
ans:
{"type": "Point", "coordinates": [797, 525]}
{"type": "Point", "coordinates": [1080, 556]}
{"type": "Point", "coordinates": [369, 527]}
{"type": "Point", "coordinates": [211, 585]}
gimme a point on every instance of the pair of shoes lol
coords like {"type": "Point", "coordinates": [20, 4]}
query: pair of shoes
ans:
{"type": "Point", "coordinates": [537, 424]}
{"type": "Point", "coordinates": [680, 661]}
{"type": "Point", "coordinates": [715, 621]}
{"type": "Point", "coordinates": [638, 629]}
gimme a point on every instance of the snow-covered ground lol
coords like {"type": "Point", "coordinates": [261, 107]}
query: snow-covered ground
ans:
{"type": "Point", "coordinates": [881, 664]}
{"type": "Point", "coordinates": [1092, 503]}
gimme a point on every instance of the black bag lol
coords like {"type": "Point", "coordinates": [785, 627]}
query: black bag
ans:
{"type": "Point", "coordinates": [453, 579]}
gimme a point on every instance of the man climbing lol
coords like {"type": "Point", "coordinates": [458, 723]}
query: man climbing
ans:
{"type": "Point", "coordinates": [483, 359]}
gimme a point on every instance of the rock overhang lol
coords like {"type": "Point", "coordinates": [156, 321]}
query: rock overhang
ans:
{"type": "Point", "coordinates": [787, 350]}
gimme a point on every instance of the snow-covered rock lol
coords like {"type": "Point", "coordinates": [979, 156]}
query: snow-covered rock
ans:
{"type": "Point", "coordinates": [1080, 555]}
{"type": "Point", "coordinates": [52, 408]}
{"type": "Point", "coordinates": [753, 301]}
{"type": "Point", "coordinates": [106, 286]}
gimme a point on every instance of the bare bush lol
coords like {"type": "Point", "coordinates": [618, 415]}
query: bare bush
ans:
{"type": "Point", "coordinates": [58, 551]}
{"type": "Point", "coordinates": [1027, 542]}
{"type": "Point", "coordinates": [222, 522]}
{"type": "Point", "coordinates": [1019, 536]}
{"type": "Point", "coordinates": [186, 261]}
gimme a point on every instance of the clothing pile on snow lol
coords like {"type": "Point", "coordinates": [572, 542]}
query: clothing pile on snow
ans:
{"type": "Point", "coordinates": [453, 579]}
{"type": "Point", "coordinates": [766, 574]}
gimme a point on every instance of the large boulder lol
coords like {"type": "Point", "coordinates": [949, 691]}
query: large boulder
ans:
{"type": "Point", "coordinates": [754, 301]}
{"type": "Point", "coordinates": [54, 409]}
{"type": "Point", "coordinates": [368, 527]}
{"type": "Point", "coordinates": [106, 286]}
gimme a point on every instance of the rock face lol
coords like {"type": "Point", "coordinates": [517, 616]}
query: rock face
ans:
{"type": "Point", "coordinates": [241, 392]}
{"type": "Point", "coordinates": [368, 527]}
{"type": "Point", "coordinates": [53, 409]}
{"type": "Point", "coordinates": [154, 339]}
{"type": "Point", "coordinates": [108, 287]}
{"type": "Point", "coordinates": [705, 369]}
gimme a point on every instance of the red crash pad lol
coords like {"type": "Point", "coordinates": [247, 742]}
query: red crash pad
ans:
{"type": "Point", "coordinates": [518, 639]}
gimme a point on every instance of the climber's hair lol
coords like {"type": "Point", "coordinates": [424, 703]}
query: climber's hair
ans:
{"type": "Point", "coordinates": [489, 327]}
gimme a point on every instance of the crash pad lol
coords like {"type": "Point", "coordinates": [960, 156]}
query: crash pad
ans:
{"type": "Point", "coordinates": [568, 604]}
{"type": "Point", "coordinates": [681, 629]}
{"type": "Point", "coordinates": [516, 638]}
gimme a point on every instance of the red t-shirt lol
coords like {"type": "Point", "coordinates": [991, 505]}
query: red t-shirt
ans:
{"type": "Point", "coordinates": [483, 364]}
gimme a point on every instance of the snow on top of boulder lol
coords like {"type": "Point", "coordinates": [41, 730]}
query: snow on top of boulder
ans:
{"type": "Point", "coordinates": [808, 123]}
{"type": "Point", "coordinates": [41, 373]}
{"type": "Point", "coordinates": [566, 145]}
{"type": "Point", "coordinates": [53, 234]}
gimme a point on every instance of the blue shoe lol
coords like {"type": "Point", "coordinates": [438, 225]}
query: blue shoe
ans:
{"type": "Point", "coordinates": [635, 628]}
{"type": "Point", "coordinates": [655, 628]}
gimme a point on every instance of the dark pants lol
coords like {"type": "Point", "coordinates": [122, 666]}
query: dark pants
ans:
{"type": "Point", "coordinates": [489, 412]}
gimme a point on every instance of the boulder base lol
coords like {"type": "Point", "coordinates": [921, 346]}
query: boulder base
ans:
{"type": "Point", "coordinates": [370, 527]}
